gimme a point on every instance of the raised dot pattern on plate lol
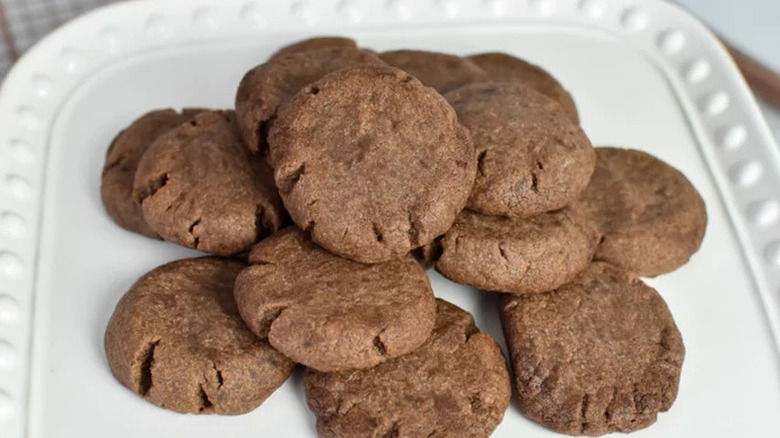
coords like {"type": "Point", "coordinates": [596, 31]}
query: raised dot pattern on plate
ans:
{"type": "Point", "coordinates": [593, 8]}
{"type": "Point", "coordinates": [254, 13]}
{"type": "Point", "coordinates": [11, 265]}
{"type": "Point", "coordinates": [43, 85]}
{"type": "Point", "coordinates": [451, 8]}
{"type": "Point", "coordinates": [204, 17]}
{"type": "Point", "coordinates": [634, 19]}
{"type": "Point", "coordinates": [73, 59]}
{"type": "Point", "coordinates": [12, 225]}
{"type": "Point", "coordinates": [21, 151]}
{"type": "Point", "coordinates": [732, 137]}
{"type": "Point", "coordinates": [10, 313]}
{"type": "Point", "coordinates": [746, 174]}
{"type": "Point", "coordinates": [696, 71]}
{"type": "Point", "coordinates": [351, 9]}
{"type": "Point", "coordinates": [401, 8]}
{"type": "Point", "coordinates": [498, 7]}
{"type": "Point", "coordinates": [772, 254]}
{"type": "Point", "coordinates": [545, 7]}
{"type": "Point", "coordinates": [671, 41]}
{"type": "Point", "coordinates": [6, 406]}
{"type": "Point", "coordinates": [29, 118]}
{"type": "Point", "coordinates": [7, 355]}
{"type": "Point", "coordinates": [715, 103]}
{"type": "Point", "coordinates": [159, 26]}
{"type": "Point", "coordinates": [109, 35]}
{"type": "Point", "coordinates": [764, 213]}
{"type": "Point", "coordinates": [304, 11]}
{"type": "Point", "coordinates": [18, 187]}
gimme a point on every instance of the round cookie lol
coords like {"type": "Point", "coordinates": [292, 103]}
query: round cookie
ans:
{"type": "Point", "coordinates": [199, 187]}
{"type": "Point", "coordinates": [532, 158]}
{"type": "Point", "coordinates": [314, 44]}
{"type": "Point", "coordinates": [530, 255]}
{"type": "Point", "coordinates": [501, 67]}
{"type": "Point", "coordinates": [331, 313]}
{"type": "Point", "coordinates": [176, 339]}
{"type": "Point", "coordinates": [438, 70]}
{"type": "Point", "coordinates": [600, 354]}
{"type": "Point", "coordinates": [267, 86]}
{"type": "Point", "coordinates": [371, 162]}
{"type": "Point", "coordinates": [456, 384]}
{"type": "Point", "coordinates": [651, 218]}
{"type": "Point", "coordinates": [116, 188]}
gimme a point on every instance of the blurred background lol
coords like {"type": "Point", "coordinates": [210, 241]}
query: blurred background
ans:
{"type": "Point", "coordinates": [750, 26]}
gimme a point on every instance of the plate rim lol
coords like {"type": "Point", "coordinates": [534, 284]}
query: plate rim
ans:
{"type": "Point", "coordinates": [734, 139]}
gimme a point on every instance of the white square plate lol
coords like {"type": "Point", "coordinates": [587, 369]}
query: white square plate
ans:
{"type": "Point", "coordinates": [644, 75]}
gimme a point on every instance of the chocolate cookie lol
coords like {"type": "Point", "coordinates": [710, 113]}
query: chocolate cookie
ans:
{"type": "Point", "coordinates": [198, 186]}
{"type": "Point", "coordinates": [371, 162]}
{"type": "Point", "coordinates": [438, 70]}
{"type": "Point", "coordinates": [315, 43]}
{"type": "Point", "coordinates": [122, 158]}
{"type": "Point", "coordinates": [331, 313]}
{"type": "Point", "coordinates": [530, 255]}
{"type": "Point", "coordinates": [598, 355]}
{"type": "Point", "coordinates": [652, 219]}
{"type": "Point", "coordinates": [501, 67]}
{"type": "Point", "coordinates": [532, 158]}
{"type": "Point", "coordinates": [456, 384]}
{"type": "Point", "coordinates": [176, 339]}
{"type": "Point", "coordinates": [267, 86]}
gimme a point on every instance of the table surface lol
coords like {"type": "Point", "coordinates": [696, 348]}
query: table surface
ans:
{"type": "Point", "coordinates": [750, 25]}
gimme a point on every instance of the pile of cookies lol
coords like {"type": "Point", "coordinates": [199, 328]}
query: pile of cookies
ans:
{"type": "Point", "coordinates": [343, 173]}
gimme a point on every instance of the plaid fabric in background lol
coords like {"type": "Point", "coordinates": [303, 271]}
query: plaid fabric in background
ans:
{"type": "Point", "coordinates": [23, 22]}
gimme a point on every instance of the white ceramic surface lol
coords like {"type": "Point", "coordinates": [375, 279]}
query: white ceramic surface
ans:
{"type": "Point", "coordinates": [643, 73]}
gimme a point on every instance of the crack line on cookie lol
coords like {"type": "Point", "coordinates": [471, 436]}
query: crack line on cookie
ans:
{"type": "Point", "coordinates": [290, 181]}
{"type": "Point", "coordinates": [205, 402]}
{"type": "Point", "coordinates": [259, 227]}
{"type": "Point", "coordinates": [583, 412]}
{"type": "Point", "coordinates": [145, 379]}
{"type": "Point", "coordinates": [152, 187]}
{"type": "Point", "coordinates": [377, 232]}
{"type": "Point", "coordinates": [191, 230]}
{"type": "Point", "coordinates": [379, 344]}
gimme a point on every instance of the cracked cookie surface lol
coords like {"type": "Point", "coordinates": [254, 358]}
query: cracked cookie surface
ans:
{"type": "Point", "coordinates": [600, 354]}
{"type": "Point", "coordinates": [268, 86]}
{"type": "Point", "coordinates": [531, 157]}
{"type": "Point", "coordinates": [176, 339]}
{"type": "Point", "coordinates": [371, 163]}
{"type": "Point", "coordinates": [650, 216]}
{"type": "Point", "coordinates": [126, 150]}
{"type": "Point", "coordinates": [199, 187]}
{"type": "Point", "coordinates": [315, 43]}
{"type": "Point", "coordinates": [441, 71]}
{"type": "Point", "coordinates": [331, 313]}
{"type": "Point", "coordinates": [501, 67]}
{"type": "Point", "coordinates": [456, 384]}
{"type": "Point", "coordinates": [518, 255]}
